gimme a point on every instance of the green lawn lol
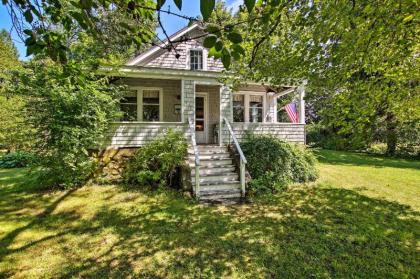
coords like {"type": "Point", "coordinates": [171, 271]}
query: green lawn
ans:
{"type": "Point", "coordinates": [360, 220]}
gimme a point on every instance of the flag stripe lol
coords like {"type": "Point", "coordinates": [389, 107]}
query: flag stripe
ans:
{"type": "Point", "coordinates": [292, 112]}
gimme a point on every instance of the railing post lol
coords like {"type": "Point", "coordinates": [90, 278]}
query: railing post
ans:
{"type": "Point", "coordinates": [197, 181]}
{"type": "Point", "coordinates": [242, 174]}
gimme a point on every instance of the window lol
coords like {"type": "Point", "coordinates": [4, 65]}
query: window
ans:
{"type": "Point", "coordinates": [151, 105]}
{"type": "Point", "coordinates": [129, 106]}
{"type": "Point", "coordinates": [255, 108]}
{"type": "Point", "coordinates": [238, 108]}
{"type": "Point", "coordinates": [248, 108]}
{"type": "Point", "coordinates": [196, 59]}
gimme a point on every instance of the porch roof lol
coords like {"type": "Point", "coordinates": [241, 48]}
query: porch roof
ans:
{"type": "Point", "coordinates": [160, 73]}
{"type": "Point", "coordinates": [204, 77]}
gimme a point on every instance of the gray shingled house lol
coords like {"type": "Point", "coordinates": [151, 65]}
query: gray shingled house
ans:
{"type": "Point", "coordinates": [180, 89]}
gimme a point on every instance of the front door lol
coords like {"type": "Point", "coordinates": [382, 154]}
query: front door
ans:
{"type": "Point", "coordinates": [201, 129]}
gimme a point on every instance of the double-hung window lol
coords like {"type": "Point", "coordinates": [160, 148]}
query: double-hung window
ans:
{"type": "Point", "coordinates": [196, 59]}
{"type": "Point", "coordinates": [255, 108]}
{"type": "Point", "coordinates": [151, 105]}
{"type": "Point", "coordinates": [129, 106]}
{"type": "Point", "coordinates": [248, 107]}
{"type": "Point", "coordinates": [238, 108]}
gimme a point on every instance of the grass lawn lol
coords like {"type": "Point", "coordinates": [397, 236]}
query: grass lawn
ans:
{"type": "Point", "coordinates": [360, 220]}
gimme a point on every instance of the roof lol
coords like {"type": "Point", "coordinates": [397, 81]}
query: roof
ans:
{"type": "Point", "coordinates": [143, 56]}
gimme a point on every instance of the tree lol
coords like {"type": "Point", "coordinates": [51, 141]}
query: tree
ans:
{"type": "Point", "coordinates": [45, 26]}
{"type": "Point", "coordinates": [14, 131]}
{"type": "Point", "coordinates": [359, 58]}
{"type": "Point", "coordinates": [71, 109]}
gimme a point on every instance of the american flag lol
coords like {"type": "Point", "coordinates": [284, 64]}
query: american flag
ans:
{"type": "Point", "coordinates": [292, 112]}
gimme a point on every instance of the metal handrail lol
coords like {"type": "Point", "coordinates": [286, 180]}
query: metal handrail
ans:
{"type": "Point", "coordinates": [196, 157]}
{"type": "Point", "coordinates": [242, 160]}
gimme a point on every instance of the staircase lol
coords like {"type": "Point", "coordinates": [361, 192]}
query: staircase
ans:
{"type": "Point", "coordinates": [219, 181]}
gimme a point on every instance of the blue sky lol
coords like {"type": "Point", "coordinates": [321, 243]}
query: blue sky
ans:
{"type": "Point", "coordinates": [171, 23]}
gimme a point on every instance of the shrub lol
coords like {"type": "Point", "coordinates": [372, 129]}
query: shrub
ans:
{"type": "Point", "coordinates": [273, 163]}
{"type": "Point", "coordinates": [156, 163]}
{"type": "Point", "coordinates": [16, 160]}
{"type": "Point", "coordinates": [70, 109]}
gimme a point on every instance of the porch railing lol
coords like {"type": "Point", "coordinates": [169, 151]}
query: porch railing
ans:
{"type": "Point", "coordinates": [196, 157]}
{"type": "Point", "coordinates": [243, 160]}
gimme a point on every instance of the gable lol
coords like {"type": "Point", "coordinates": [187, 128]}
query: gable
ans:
{"type": "Point", "coordinates": [162, 58]}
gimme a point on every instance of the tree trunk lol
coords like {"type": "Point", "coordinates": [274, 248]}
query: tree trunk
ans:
{"type": "Point", "coordinates": [391, 133]}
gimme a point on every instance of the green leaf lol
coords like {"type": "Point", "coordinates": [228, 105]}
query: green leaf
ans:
{"type": "Point", "coordinates": [408, 18]}
{"type": "Point", "coordinates": [178, 3]}
{"type": "Point", "coordinates": [28, 32]}
{"type": "Point", "coordinates": [219, 45]}
{"type": "Point", "coordinates": [209, 41]}
{"type": "Point", "coordinates": [28, 16]}
{"type": "Point", "coordinates": [214, 53]}
{"type": "Point", "coordinates": [249, 5]}
{"type": "Point", "coordinates": [212, 28]}
{"type": "Point", "coordinates": [234, 37]}
{"type": "Point", "coordinates": [207, 7]}
{"type": "Point", "coordinates": [239, 49]}
{"type": "Point", "coordinates": [226, 58]}
{"type": "Point", "coordinates": [160, 3]}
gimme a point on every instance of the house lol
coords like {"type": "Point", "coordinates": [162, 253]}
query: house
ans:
{"type": "Point", "coordinates": [180, 89]}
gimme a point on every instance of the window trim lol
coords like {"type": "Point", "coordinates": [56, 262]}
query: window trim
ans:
{"type": "Point", "coordinates": [188, 60]}
{"type": "Point", "coordinates": [140, 102]}
{"type": "Point", "coordinates": [247, 94]}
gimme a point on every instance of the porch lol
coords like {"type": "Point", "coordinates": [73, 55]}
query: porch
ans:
{"type": "Point", "coordinates": [155, 104]}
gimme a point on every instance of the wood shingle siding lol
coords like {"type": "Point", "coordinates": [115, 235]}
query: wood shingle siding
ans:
{"type": "Point", "coordinates": [287, 131]}
{"type": "Point", "coordinates": [167, 59]}
{"type": "Point", "coordinates": [135, 134]}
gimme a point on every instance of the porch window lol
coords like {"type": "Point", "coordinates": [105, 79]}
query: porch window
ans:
{"type": "Point", "coordinates": [196, 59]}
{"type": "Point", "coordinates": [248, 107]}
{"type": "Point", "coordinates": [255, 109]}
{"type": "Point", "coordinates": [151, 105]}
{"type": "Point", "coordinates": [129, 106]}
{"type": "Point", "coordinates": [238, 108]}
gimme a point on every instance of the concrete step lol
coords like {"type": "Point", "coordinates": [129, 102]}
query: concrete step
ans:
{"type": "Point", "coordinates": [217, 179]}
{"type": "Point", "coordinates": [209, 170]}
{"type": "Point", "coordinates": [220, 194]}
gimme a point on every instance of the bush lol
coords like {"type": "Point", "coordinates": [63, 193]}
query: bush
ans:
{"type": "Point", "coordinates": [273, 164]}
{"type": "Point", "coordinates": [156, 163]}
{"type": "Point", "coordinates": [70, 109]}
{"type": "Point", "coordinates": [16, 160]}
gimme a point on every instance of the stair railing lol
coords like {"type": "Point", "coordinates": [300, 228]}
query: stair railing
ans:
{"type": "Point", "coordinates": [196, 157]}
{"type": "Point", "coordinates": [243, 160]}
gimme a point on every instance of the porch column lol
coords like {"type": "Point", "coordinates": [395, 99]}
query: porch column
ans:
{"type": "Point", "coordinates": [226, 111]}
{"type": "Point", "coordinates": [187, 100]}
{"type": "Point", "coordinates": [301, 91]}
{"type": "Point", "coordinates": [271, 115]}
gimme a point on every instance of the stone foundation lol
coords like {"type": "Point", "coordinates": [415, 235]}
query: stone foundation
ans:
{"type": "Point", "coordinates": [112, 161]}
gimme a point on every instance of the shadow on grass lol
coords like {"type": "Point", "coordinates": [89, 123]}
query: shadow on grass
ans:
{"type": "Point", "coordinates": [303, 232]}
{"type": "Point", "coordinates": [362, 159]}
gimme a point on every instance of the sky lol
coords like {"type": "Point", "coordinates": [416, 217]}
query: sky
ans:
{"type": "Point", "coordinates": [171, 23]}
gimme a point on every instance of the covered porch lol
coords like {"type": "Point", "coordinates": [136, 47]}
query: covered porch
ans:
{"type": "Point", "coordinates": [162, 99]}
